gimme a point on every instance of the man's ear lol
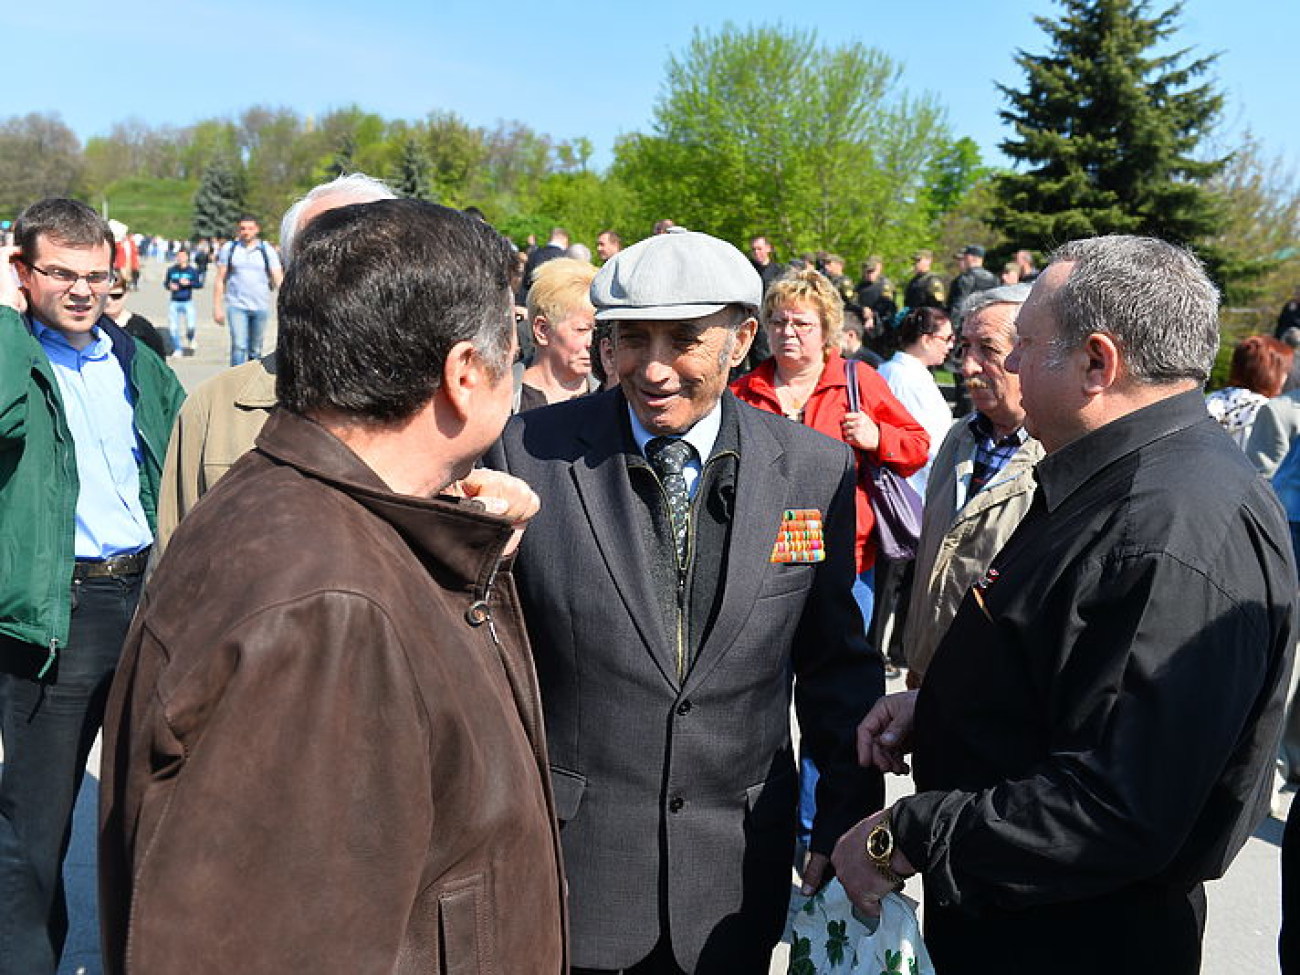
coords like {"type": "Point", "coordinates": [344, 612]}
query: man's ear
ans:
{"type": "Point", "coordinates": [744, 338]}
{"type": "Point", "coordinates": [462, 374]}
{"type": "Point", "coordinates": [1103, 363]}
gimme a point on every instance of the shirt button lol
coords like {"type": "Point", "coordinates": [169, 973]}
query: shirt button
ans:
{"type": "Point", "coordinates": [684, 708]}
{"type": "Point", "coordinates": [675, 804]}
{"type": "Point", "coordinates": [477, 614]}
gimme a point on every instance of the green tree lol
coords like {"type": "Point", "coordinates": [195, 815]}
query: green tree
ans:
{"type": "Point", "coordinates": [1108, 129]}
{"type": "Point", "coordinates": [219, 200]}
{"type": "Point", "coordinates": [411, 177]}
{"type": "Point", "coordinates": [39, 157]}
{"type": "Point", "coordinates": [766, 130]}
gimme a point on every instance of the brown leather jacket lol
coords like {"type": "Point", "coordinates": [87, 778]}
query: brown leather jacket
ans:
{"type": "Point", "coordinates": [323, 749]}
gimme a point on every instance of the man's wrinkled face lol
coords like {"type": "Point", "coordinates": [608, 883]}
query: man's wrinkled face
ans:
{"type": "Point", "coordinates": [674, 372]}
{"type": "Point", "coordinates": [986, 341]}
{"type": "Point", "coordinates": [70, 309]}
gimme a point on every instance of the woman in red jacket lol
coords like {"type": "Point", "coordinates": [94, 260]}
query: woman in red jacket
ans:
{"type": "Point", "coordinates": [805, 381]}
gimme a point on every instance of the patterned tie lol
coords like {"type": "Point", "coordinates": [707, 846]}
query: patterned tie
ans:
{"type": "Point", "coordinates": [669, 457]}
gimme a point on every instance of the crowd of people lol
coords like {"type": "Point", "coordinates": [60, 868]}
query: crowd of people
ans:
{"type": "Point", "coordinates": [461, 631]}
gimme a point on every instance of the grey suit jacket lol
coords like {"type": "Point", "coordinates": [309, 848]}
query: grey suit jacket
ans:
{"type": "Point", "coordinates": [677, 797]}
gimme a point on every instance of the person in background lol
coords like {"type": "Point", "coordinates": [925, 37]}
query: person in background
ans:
{"type": "Point", "coordinates": [562, 318]}
{"type": "Point", "coordinates": [925, 288]}
{"type": "Point", "coordinates": [248, 271]}
{"type": "Point", "coordinates": [981, 480]}
{"type": "Point", "coordinates": [1260, 365]}
{"type": "Point", "coordinates": [608, 243]}
{"type": "Point", "coordinates": [181, 280]}
{"type": "Point", "coordinates": [135, 325]}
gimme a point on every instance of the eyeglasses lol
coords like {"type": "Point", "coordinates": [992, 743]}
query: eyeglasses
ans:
{"type": "Point", "coordinates": [801, 328]}
{"type": "Point", "coordinates": [948, 339]}
{"type": "Point", "coordinates": [117, 295]}
{"type": "Point", "coordinates": [97, 281]}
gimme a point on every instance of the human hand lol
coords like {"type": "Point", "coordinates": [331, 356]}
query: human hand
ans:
{"type": "Point", "coordinates": [816, 871]}
{"type": "Point", "coordinates": [859, 877]}
{"type": "Point", "coordinates": [11, 293]}
{"type": "Point", "coordinates": [219, 314]}
{"type": "Point", "coordinates": [885, 734]}
{"type": "Point", "coordinates": [860, 431]}
{"type": "Point", "coordinates": [502, 495]}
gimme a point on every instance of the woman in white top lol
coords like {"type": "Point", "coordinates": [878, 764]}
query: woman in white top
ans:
{"type": "Point", "coordinates": [925, 337]}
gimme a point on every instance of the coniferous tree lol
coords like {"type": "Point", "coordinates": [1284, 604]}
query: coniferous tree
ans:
{"type": "Point", "coordinates": [342, 163]}
{"type": "Point", "coordinates": [1108, 129]}
{"type": "Point", "coordinates": [411, 180]}
{"type": "Point", "coordinates": [219, 200]}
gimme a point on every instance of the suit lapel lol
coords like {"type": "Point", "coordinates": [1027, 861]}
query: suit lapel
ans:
{"type": "Point", "coordinates": [762, 488]}
{"type": "Point", "coordinates": [606, 494]}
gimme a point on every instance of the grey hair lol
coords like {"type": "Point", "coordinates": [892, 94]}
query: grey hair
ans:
{"type": "Point", "coordinates": [1003, 294]}
{"type": "Point", "coordinates": [352, 188]}
{"type": "Point", "coordinates": [1152, 297]}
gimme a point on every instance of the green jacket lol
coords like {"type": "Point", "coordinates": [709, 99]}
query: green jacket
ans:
{"type": "Point", "coordinates": [38, 475]}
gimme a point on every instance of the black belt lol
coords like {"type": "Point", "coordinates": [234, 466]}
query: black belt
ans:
{"type": "Point", "coordinates": [111, 568]}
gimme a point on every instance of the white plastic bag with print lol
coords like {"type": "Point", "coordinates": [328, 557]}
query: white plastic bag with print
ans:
{"type": "Point", "coordinates": [830, 938]}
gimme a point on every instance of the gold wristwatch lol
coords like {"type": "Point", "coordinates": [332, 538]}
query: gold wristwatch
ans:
{"type": "Point", "coordinates": [880, 851]}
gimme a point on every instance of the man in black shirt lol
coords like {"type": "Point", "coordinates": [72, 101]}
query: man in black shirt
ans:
{"type": "Point", "coordinates": [1096, 733]}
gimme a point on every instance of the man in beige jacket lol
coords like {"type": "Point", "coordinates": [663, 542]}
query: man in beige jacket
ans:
{"type": "Point", "coordinates": [982, 479]}
{"type": "Point", "coordinates": [226, 413]}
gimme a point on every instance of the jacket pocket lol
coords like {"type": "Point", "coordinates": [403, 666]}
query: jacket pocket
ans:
{"type": "Point", "coordinates": [568, 788]}
{"type": "Point", "coordinates": [462, 929]}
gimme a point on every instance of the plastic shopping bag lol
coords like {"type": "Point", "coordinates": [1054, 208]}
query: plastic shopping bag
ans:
{"type": "Point", "coordinates": [831, 938]}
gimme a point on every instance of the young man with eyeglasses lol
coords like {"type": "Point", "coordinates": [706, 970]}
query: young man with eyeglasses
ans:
{"type": "Point", "coordinates": [85, 411]}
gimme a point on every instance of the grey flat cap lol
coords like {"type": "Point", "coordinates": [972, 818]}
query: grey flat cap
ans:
{"type": "Point", "coordinates": [672, 277]}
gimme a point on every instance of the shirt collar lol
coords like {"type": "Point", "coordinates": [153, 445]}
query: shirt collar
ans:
{"type": "Point", "coordinates": [58, 348]}
{"type": "Point", "coordinates": [1064, 471]}
{"type": "Point", "coordinates": [702, 436]}
{"type": "Point", "coordinates": [981, 426]}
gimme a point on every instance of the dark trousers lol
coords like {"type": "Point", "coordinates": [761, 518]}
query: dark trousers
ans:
{"type": "Point", "coordinates": [49, 725]}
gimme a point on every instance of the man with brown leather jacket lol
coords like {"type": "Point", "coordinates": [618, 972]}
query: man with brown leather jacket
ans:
{"type": "Point", "coordinates": [334, 760]}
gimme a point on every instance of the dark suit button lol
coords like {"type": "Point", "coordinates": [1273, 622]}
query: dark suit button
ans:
{"type": "Point", "coordinates": [676, 803]}
{"type": "Point", "coordinates": [478, 614]}
{"type": "Point", "coordinates": [684, 708]}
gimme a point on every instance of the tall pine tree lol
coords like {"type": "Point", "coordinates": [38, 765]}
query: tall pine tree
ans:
{"type": "Point", "coordinates": [411, 178]}
{"type": "Point", "coordinates": [1108, 130]}
{"type": "Point", "coordinates": [219, 200]}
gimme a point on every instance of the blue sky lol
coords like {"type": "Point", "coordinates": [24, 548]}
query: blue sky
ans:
{"type": "Point", "coordinates": [567, 69]}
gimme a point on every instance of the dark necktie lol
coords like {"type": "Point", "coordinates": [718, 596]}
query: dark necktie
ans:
{"type": "Point", "coordinates": [669, 457]}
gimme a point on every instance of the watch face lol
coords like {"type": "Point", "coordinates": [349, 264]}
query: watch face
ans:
{"type": "Point", "coordinates": [880, 843]}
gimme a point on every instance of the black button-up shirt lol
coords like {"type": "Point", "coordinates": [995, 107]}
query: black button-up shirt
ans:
{"type": "Point", "coordinates": [1103, 713]}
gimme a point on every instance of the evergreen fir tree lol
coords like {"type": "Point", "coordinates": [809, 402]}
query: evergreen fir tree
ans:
{"type": "Point", "coordinates": [219, 201]}
{"type": "Point", "coordinates": [411, 180]}
{"type": "Point", "coordinates": [1108, 129]}
{"type": "Point", "coordinates": [341, 165]}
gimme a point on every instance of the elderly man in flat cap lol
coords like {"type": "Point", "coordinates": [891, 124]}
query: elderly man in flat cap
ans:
{"type": "Point", "coordinates": [691, 565]}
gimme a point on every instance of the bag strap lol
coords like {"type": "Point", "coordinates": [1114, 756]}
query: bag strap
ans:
{"type": "Point", "coordinates": [851, 375]}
